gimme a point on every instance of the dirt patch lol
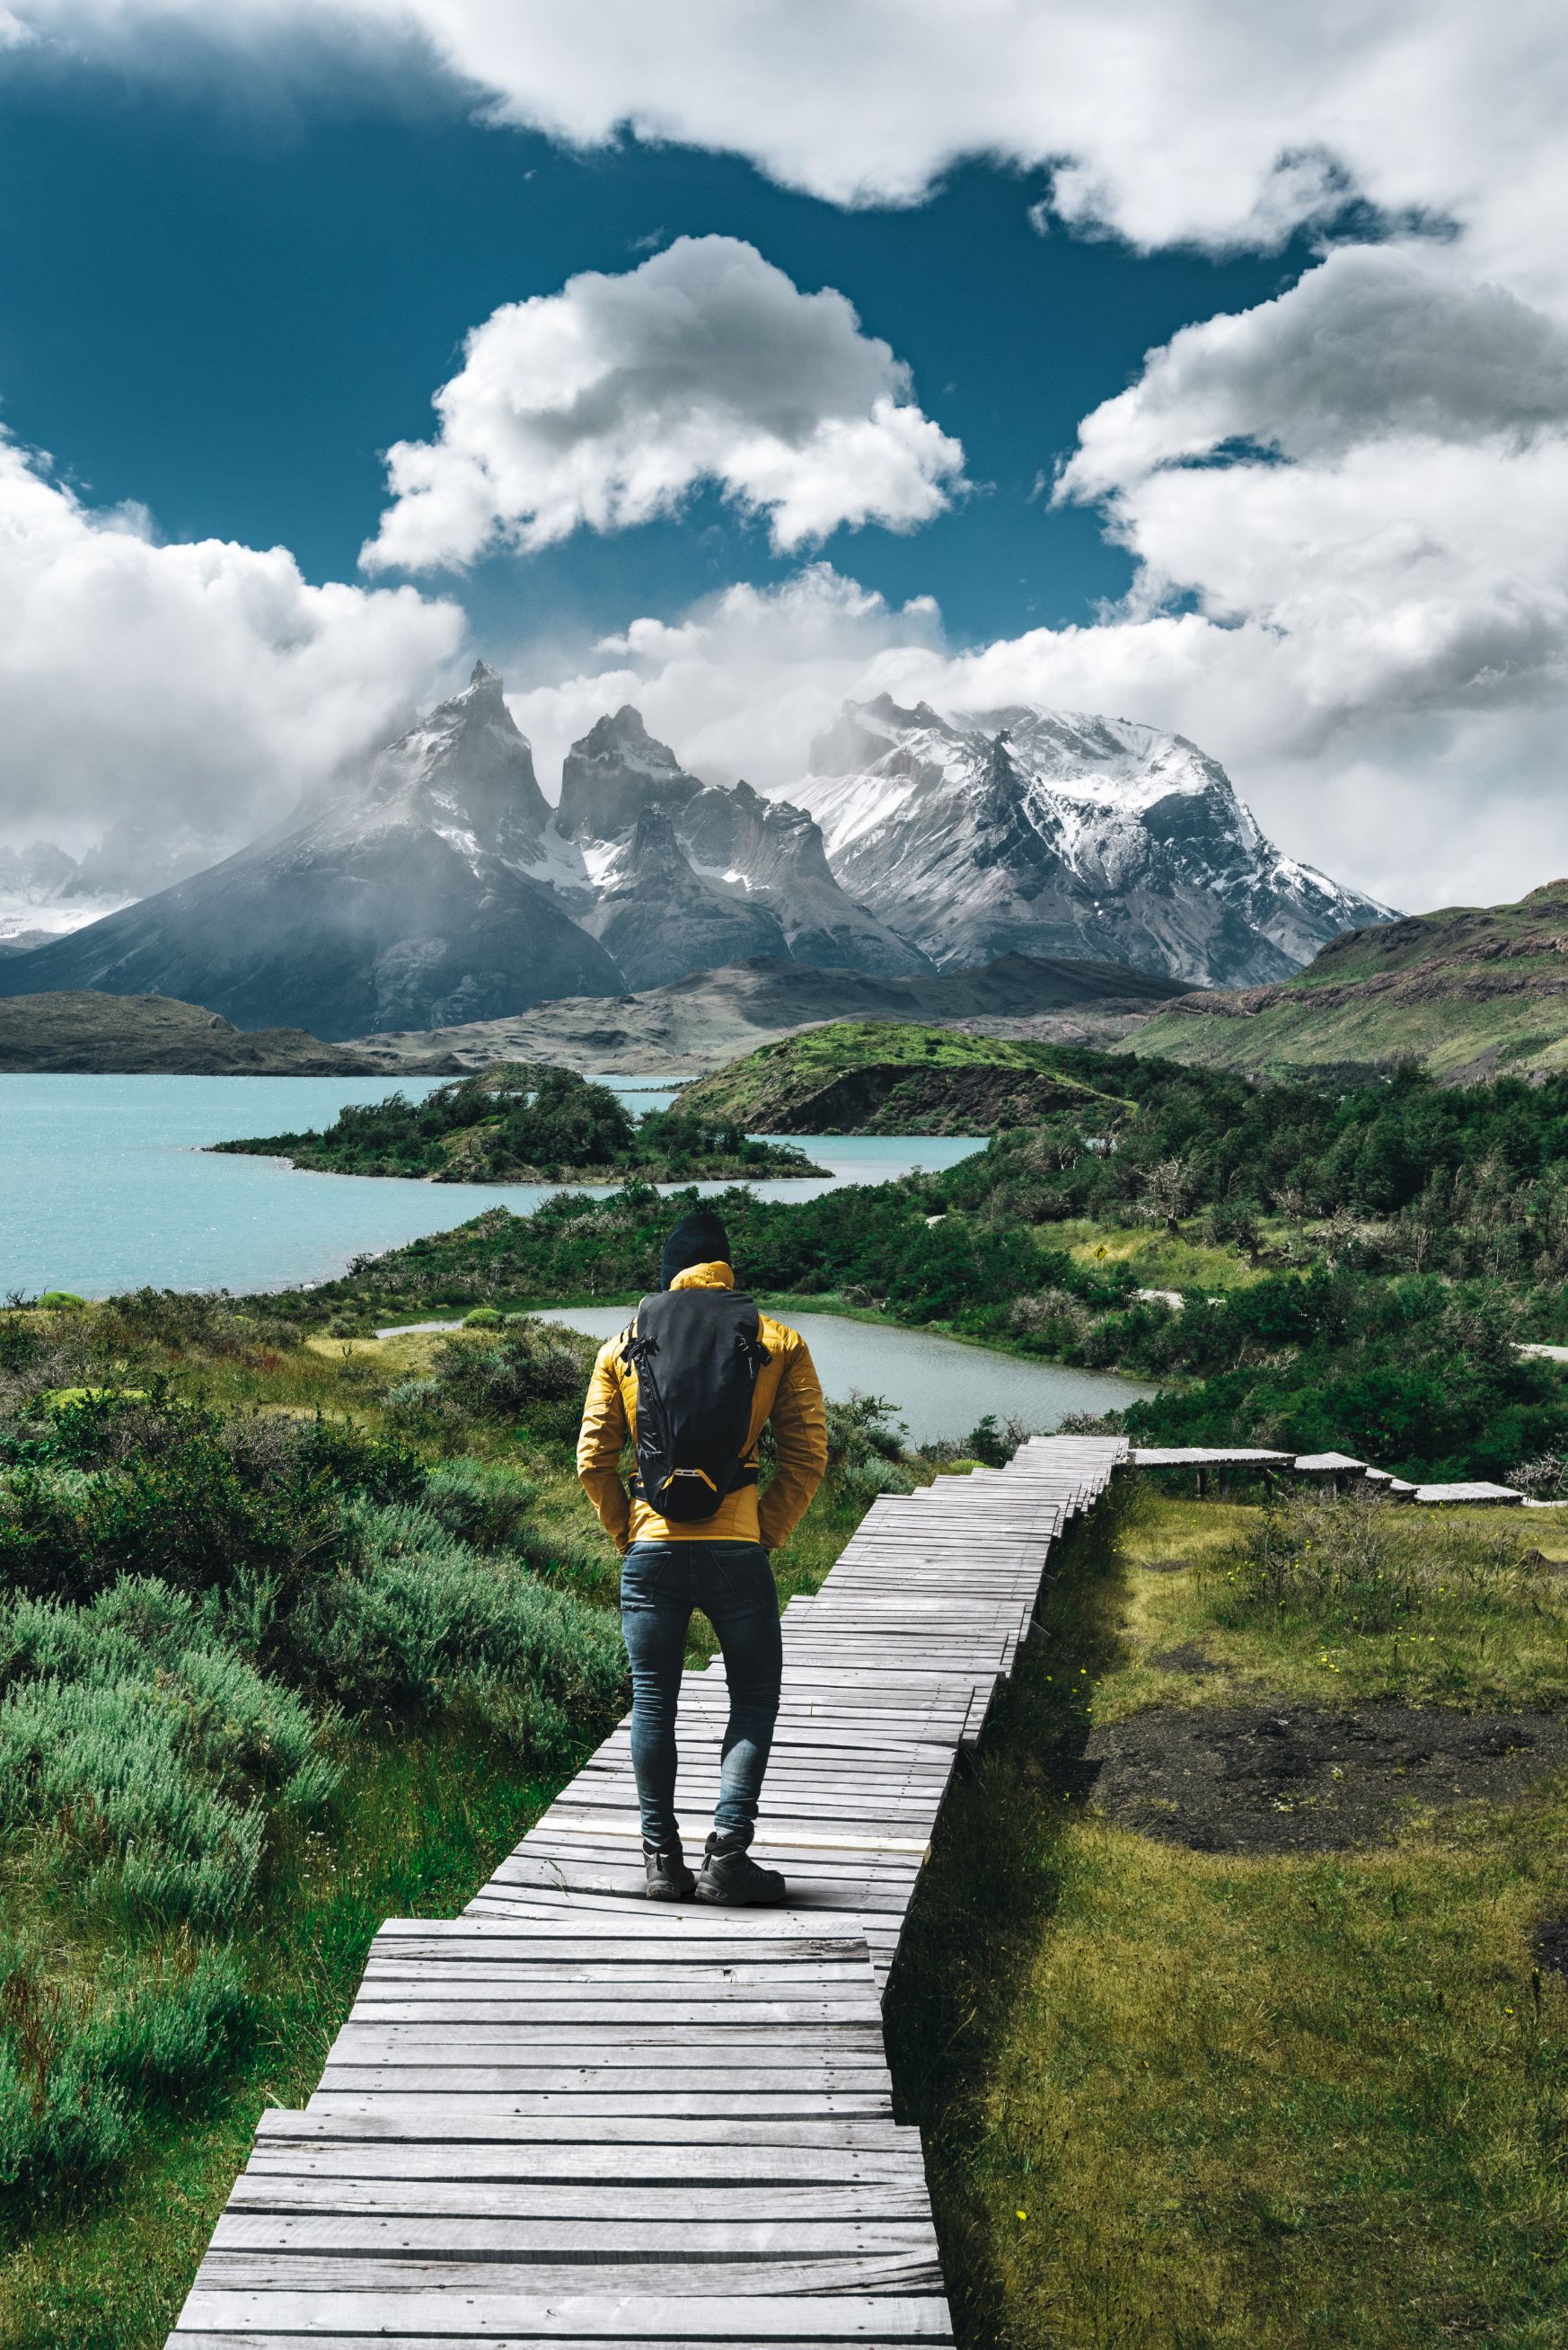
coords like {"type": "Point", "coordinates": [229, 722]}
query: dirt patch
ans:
{"type": "Point", "coordinates": [1308, 1778]}
{"type": "Point", "coordinates": [1552, 1944]}
{"type": "Point", "coordinates": [1188, 1658]}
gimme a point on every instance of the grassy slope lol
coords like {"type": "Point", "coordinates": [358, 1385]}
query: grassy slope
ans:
{"type": "Point", "coordinates": [1181, 2099]}
{"type": "Point", "coordinates": [778, 1077]}
{"type": "Point", "coordinates": [1452, 989]}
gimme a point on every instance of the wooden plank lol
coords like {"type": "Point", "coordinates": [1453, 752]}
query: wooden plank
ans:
{"type": "Point", "coordinates": [624, 2315]}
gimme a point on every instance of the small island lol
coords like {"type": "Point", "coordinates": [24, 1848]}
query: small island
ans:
{"type": "Point", "coordinates": [528, 1122]}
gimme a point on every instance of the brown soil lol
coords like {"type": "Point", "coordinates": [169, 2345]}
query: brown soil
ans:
{"type": "Point", "coordinates": [1296, 1778]}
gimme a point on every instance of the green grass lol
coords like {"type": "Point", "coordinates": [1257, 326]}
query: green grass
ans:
{"type": "Point", "coordinates": [420, 1824]}
{"type": "Point", "coordinates": [1175, 2101]}
{"type": "Point", "coordinates": [793, 1069]}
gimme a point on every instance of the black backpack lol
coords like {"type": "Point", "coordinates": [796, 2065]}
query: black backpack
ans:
{"type": "Point", "coordinates": [697, 1354]}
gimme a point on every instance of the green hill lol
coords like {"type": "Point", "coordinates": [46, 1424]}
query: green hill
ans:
{"type": "Point", "coordinates": [1464, 993]}
{"type": "Point", "coordinates": [885, 1077]}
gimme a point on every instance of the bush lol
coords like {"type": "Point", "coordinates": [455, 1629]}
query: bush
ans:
{"type": "Point", "coordinates": [424, 1622]}
{"type": "Point", "coordinates": [144, 1753]}
{"type": "Point", "coordinates": [533, 1375]}
{"type": "Point", "coordinates": [72, 2078]}
{"type": "Point", "coordinates": [113, 1482]}
{"type": "Point", "coordinates": [483, 1502]}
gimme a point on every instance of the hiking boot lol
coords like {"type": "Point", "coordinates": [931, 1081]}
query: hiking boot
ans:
{"type": "Point", "coordinates": [730, 1874]}
{"type": "Point", "coordinates": [668, 1879]}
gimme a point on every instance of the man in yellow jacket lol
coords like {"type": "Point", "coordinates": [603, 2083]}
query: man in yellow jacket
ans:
{"type": "Point", "coordinates": [718, 1563]}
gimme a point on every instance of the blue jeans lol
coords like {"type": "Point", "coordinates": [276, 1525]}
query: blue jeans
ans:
{"type": "Point", "coordinates": [733, 1584]}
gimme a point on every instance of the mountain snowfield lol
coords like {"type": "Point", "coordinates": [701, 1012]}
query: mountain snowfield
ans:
{"type": "Point", "coordinates": [446, 889]}
{"type": "Point", "coordinates": [1045, 832]}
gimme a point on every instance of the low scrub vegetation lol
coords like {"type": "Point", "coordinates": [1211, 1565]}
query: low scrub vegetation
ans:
{"type": "Point", "coordinates": [212, 1608]}
{"type": "Point", "coordinates": [524, 1122]}
{"type": "Point", "coordinates": [294, 1633]}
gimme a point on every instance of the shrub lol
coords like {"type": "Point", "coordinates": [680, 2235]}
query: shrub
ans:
{"type": "Point", "coordinates": [424, 1622]}
{"type": "Point", "coordinates": [483, 1502]}
{"type": "Point", "coordinates": [72, 2077]}
{"type": "Point", "coordinates": [145, 1753]}
{"type": "Point", "coordinates": [112, 1483]}
{"type": "Point", "coordinates": [533, 1374]}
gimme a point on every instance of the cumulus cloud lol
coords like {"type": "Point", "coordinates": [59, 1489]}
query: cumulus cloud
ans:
{"type": "Point", "coordinates": [1389, 568]}
{"type": "Point", "coordinates": [1164, 120]}
{"type": "Point", "coordinates": [741, 683]}
{"type": "Point", "coordinates": [605, 405]}
{"type": "Point", "coordinates": [1379, 341]}
{"type": "Point", "coordinates": [201, 687]}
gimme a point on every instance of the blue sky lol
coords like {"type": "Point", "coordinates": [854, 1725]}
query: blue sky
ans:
{"type": "Point", "coordinates": [261, 297]}
{"type": "Point", "coordinates": [1298, 327]}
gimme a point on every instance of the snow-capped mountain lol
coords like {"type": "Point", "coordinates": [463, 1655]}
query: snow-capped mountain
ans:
{"type": "Point", "coordinates": [1041, 832]}
{"type": "Point", "coordinates": [681, 869]}
{"type": "Point", "coordinates": [446, 889]}
{"type": "Point", "coordinates": [410, 904]}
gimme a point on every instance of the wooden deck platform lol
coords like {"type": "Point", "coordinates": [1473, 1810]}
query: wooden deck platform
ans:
{"type": "Point", "coordinates": [570, 2116]}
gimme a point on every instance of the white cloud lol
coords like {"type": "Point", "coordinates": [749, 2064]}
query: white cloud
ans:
{"type": "Point", "coordinates": [605, 405]}
{"type": "Point", "coordinates": [203, 685]}
{"type": "Point", "coordinates": [1380, 341]}
{"type": "Point", "coordinates": [1165, 120]}
{"type": "Point", "coordinates": [1380, 608]}
{"type": "Point", "coordinates": [740, 685]}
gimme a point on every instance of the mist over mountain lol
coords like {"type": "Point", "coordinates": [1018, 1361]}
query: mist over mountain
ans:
{"type": "Point", "coordinates": [446, 889]}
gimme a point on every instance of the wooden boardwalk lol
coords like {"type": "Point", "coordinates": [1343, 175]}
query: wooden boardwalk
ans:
{"type": "Point", "coordinates": [573, 2117]}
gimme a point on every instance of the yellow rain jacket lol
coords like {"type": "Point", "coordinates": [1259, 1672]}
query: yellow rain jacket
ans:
{"type": "Point", "coordinates": [788, 1393]}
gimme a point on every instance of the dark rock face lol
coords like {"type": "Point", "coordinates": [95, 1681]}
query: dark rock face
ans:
{"type": "Point", "coordinates": [1042, 833]}
{"type": "Point", "coordinates": [714, 873]}
{"type": "Point", "coordinates": [659, 919]}
{"type": "Point", "coordinates": [774, 848]}
{"type": "Point", "coordinates": [614, 773]}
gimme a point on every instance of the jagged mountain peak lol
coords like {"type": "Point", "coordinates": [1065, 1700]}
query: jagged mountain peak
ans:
{"type": "Point", "coordinates": [465, 769]}
{"type": "Point", "coordinates": [614, 771]}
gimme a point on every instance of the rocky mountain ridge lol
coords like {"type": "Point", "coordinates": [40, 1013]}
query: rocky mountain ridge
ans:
{"type": "Point", "coordinates": [446, 890]}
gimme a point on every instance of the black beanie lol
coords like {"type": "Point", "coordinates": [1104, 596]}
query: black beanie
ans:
{"type": "Point", "coordinates": [698, 1239]}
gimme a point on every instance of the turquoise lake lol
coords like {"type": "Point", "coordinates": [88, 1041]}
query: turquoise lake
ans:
{"type": "Point", "coordinates": [105, 1184]}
